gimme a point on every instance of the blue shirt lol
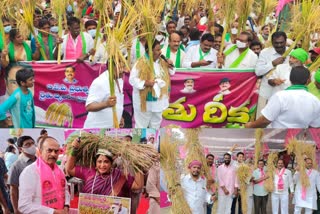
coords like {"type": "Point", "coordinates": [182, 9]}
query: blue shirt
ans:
{"type": "Point", "coordinates": [259, 189]}
{"type": "Point", "coordinates": [21, 107]}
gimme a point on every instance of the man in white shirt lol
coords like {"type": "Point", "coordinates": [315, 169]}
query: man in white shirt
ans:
{"type": "Point", "coordinates": [279, 79]}
{"type": "Point", "coordinates": [294, 107]}
{"type": "Point", "coordinates": [173, 51]}
{"type": "Point", "coordinates": [33, 183]}
{"type": "Point", "coordinates": [239, 55]}
{"type": "Point", "coordinates": [137, 48]}
{"type": "Point", "coordinates": [202, 55]}
{"type": "Point", "coordinates": [306, 197]}
{"type": "Point", "coordinates": [269, 58]}
{"type": "Point", "coordinates": [194, 189]}
{"type": "Point", "coordinates": [188, 86]}
{"type": "Point", "coordinates": [282, 184]}
{"type": "Point", "coordinates": [99, 102]}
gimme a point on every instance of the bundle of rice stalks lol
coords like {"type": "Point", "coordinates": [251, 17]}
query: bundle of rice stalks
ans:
{"type": "Point", "coordinates": [257, 146]}
{"type": "Point", "coordinates": [244, 175]}
{"type": "Point", "coordinates": [195, 151]}
{"type": "Point", "coordinates": [117, 40]}
{"type": "Point", "coordinates": [299, 149]}
{"type": "Point", "coordinates": [244, 8]}
{"type": "Point", "coordinates": [209, 7]}
{"type": "Point", "coordinates": [138, 156]}
{"type": "Point", "coordinates": [268, 184]}
{"type": "Point", "coordinates": [228, 8]}
{"type": "Point", "coordinates": [59, 114]}
{"type": "Point", "coordinates": [58, 9]}
{"type": "Point", "coordinates": [168, 158]}
{"type": "Point", "coordinates": [149, 11]}
{"type": "Point", "coordinates": [305, 21]}
{"type": "Point", "coordinates": [25, 21]}
{"type": "Point", "coordinates": [266, 7]}
{"type": "Point", "coordinates": [214, 209]}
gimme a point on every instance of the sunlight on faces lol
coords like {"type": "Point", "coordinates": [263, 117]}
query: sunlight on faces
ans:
{"type": "Point", "coordinates": [103, 164]}
{"type": "Point", "coordinates": [174, 41]}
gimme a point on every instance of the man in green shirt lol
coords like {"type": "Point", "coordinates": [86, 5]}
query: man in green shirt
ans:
{"type": "Point", "coordinates": [314, 87]}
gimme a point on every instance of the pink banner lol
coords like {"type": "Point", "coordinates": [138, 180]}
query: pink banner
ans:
{"type": "Point", "coordinates": [211, 99]}
{"type": "Point", "coordinates": [61, 92]}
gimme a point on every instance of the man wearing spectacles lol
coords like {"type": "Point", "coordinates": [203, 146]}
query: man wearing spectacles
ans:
{"type": "Point", "coordinates": [28, 151]}
{"type": "Point", "coordinates": [44, 188]}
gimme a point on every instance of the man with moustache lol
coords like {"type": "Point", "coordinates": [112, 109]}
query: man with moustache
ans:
{"type": "Point", "coordinates": [212, 169]}
{"type": "Point", "coordinates": [28, 150]}
{"type": "Point", "coordinates": [306, 197]}
{"type": "Point", "coordinates": [188, 86]}
{"type": "Point", "coordinates": [269, 58]}
{"type": "Point", "coordinates": [202, 55]}
{"type": "Point", "coordinates": [43, 188]}
{"type": "Point", "coordinates": [173, 51]}
{"type": "Point", "coordinates": [282, 184]}
{"type": "Point", "coordinates": [194, 189]}
{"type": "Point", "coordinates": [228, 185]}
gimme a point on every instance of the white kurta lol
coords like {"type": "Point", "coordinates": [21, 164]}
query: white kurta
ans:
{"type": "Point", "coordinates": [152, 106]}
{"type": "Point", "coordinates": [282, 72]}
{"type": "Point", "coordinates": [100, 91]}
{"type": "Point", "coordinates": [173, 56]}
{"type": "Point", "coordinates": [287, 180]}
{"type": "Point", "coordinates": [249, 61]}
{"type": "Point", "coordinates": [263, 66]}
{"type": "Point", "coordinates": [311, 192]}
{"type": "Point", "coordinates": [193, 55]}
{"type": "Point", "coordinates": [195, 194]}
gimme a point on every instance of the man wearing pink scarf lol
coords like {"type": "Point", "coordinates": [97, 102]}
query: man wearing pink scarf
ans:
{"type": "Point", "coordinates": [306, 197]}
{"type": "Point", "coordinates": [260, 195]}
{"type": "Point", "coordinates": [282, 183]}
{"type": "Point", "coordinates": [43, 188]}
{"type": "Point", "coordinates": [76, 44]}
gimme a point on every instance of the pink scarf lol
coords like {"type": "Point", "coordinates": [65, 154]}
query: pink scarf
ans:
{"type": "Point", "coordinates": [74, 51]}
{"type": "Point", "coordinates": [280, 181]}
{"type": "Point", "coordinates": [262, 175]}
{"type": "Point", "coordinates": [304, 190]}
{"type": "Point", "coordinates": [53, 184]}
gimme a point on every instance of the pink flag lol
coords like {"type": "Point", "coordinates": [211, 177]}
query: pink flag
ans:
{"type": "Point", "coordinates": [281, 5]}
{"type": "Point", "coordinates": [183, 152]}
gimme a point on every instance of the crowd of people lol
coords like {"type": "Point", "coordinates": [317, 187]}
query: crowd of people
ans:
{"type": "Point", "coordinates": [183, 41]}
{"type": "Point", "coordinates": [36, 176]}
{"type": "Point", "coordinates": [202, 196]}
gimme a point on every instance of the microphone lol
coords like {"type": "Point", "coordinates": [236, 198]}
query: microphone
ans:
{"type": "Point", "coordinates": [165, 59]}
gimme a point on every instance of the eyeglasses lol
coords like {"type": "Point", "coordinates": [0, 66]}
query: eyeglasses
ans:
{"type": "Point", "coordinates": [57, 151]}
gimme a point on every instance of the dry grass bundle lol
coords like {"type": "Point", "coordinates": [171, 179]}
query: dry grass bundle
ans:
{"type": "Point", "coordinates": [305, 21]}
{"type": "Point", "coordinates": [59, 114]}
{"type": "Point", "coordinates": [302, 150]}
{"type": "Point", "coordinates": [138, 156]}
{"type": "Point", "coordinates": [228, 8]}
{"type": "Point", "coordinates": [244, 7]}
{"type": "Point", "coordinates": [244, 175]}
{"type": "Point", "coordinates": [195, 151]}
{"type": "Point", "coordinates": [118, 39]}
{"type": "Point", "coordinates": [168, 158]}
{"type": "Point", "coordinates": [257, 146]}
{"type": "Point", "coordinates": [58, 9]}
{"type": "Point", "coordinates": [190, 6]}
{"type": "Point", "coordinates": [214, 209]}
{"type": "Point", "coordinates": [268, 184]}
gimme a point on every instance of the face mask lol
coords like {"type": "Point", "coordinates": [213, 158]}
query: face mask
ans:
{"type": "Point", "coordinates": [92, 33]}
{"type": "Point", "coordinates": [7, 29]}
{"type": "Point", "coordinates": [31, 150]}
{"type": "Point", "coordinates": [54, 29]}
{"type": "Point", "coordinates": [185, 39]}
{"type": "Point", "coordinates": [241, 44]}
{"type": "Point", "coordinates": [160, 38]}
{"type": "Point", "coordinates": [234, 31]}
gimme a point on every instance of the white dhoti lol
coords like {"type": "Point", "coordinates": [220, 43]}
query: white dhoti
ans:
{"type": "Point", "coordinates": [283, 199]}
{"type": "Point", "coordinates": [224, 204]}
{"type": "Point", "coordinates": [147, 119]}
{"type": "Point", "coordinates": [297, 210]}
